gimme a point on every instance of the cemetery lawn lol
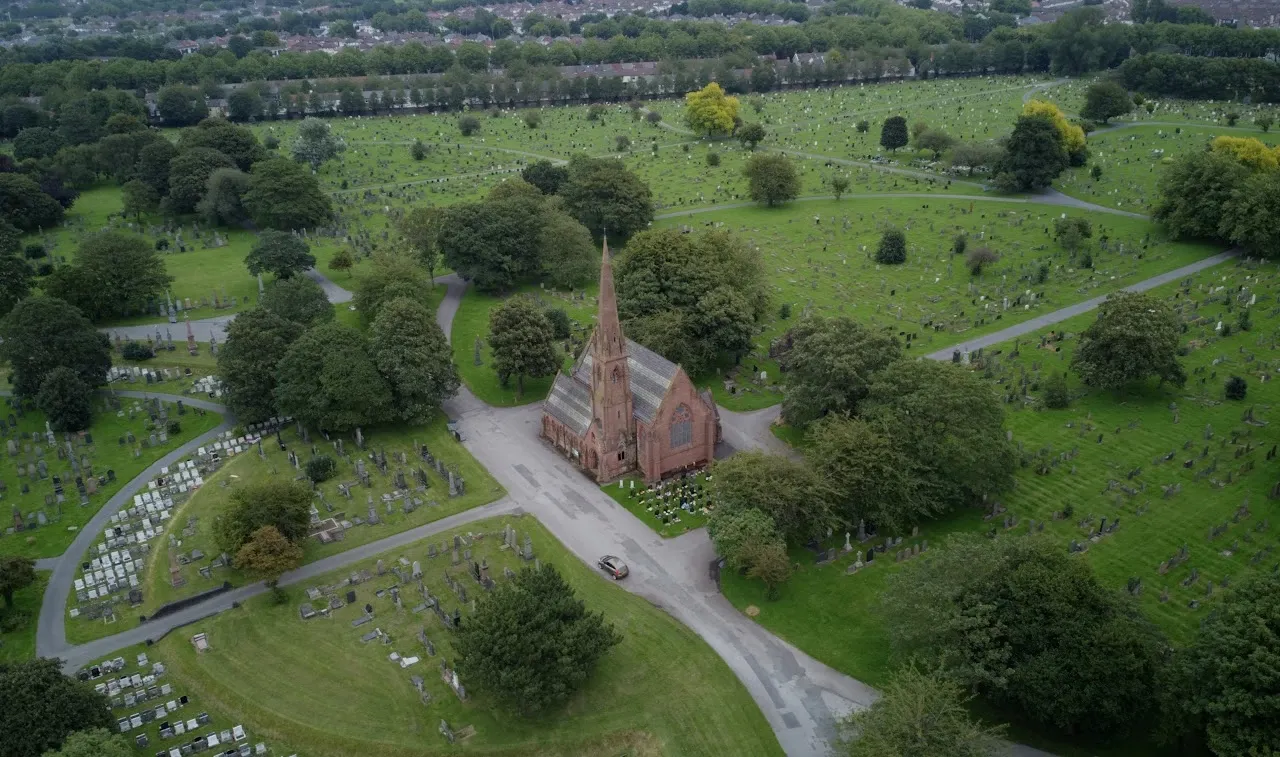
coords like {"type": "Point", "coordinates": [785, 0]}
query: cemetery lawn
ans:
{"type": "Point", "coordinates": [20, 642]}
{"type": "Point", "coordinates": [314, 686]}
{"type": "Point", "coordinates": [620, 494]}
{"type": "Point", "coordinates": [105, 454]}
{"type": "Point", "coordinates": [247, 468]}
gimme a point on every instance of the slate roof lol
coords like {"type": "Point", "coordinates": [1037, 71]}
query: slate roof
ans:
{"type": "Point", "coordinates": [651, 375]}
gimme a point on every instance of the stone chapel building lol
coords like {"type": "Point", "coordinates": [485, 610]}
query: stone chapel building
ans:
{"type": "Point", "coordinates": [624, 408]}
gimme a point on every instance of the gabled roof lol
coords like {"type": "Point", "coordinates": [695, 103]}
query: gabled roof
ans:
{"type": "Point", "coordinates": [651, 377]}
{"type": "Point", "coordinates": [570, 403]}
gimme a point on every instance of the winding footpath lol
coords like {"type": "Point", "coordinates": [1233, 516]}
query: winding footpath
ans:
{"type": "Point", "coordinates": [799, 696]}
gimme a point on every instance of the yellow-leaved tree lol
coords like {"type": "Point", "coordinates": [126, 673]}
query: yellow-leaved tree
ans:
{"type": "Point", "coordinates": [1072, 135]}
{"type": "Point", "coordinates": [710, 112]}
{"type": "Point", "coordinates": [1249, 151]}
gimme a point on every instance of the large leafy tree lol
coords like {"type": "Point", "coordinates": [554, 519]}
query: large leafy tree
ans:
{"type": "Point", "coordinates": [65, 399]}
{"type": "Point", "coordinates": [412, 353]}
{"type": "Point", "coordinates": [531, 644]}
{"type": "Point", "coordinates": [565, 251]}
{"type": "Point", "coordinates": [154, 164]}
{"type": "Point", "coordinates": [42, 707]}
{"type": "Point", "coordinates": [1030, 629]}
{"type": "Point", "coordinates": [328, 380]}
{"type": "Point", "coordinates": [189, 174]}
{"type": "Point", "coordinates": [138, 198]}
{"type": "Point", "coordinates": [282, 195]}
{"type": "Point", "coordinates": [115, 274]}
{"type": "Point", "coordinates": [772, 179]}
{"type": "Point", "coordinates": [1249, 219]}
{"type": "Point", "coordinates": [546, 176]}
{"type": "Point", "coordinates": [181, 106]}
{"type": "Point", "coordinates": [279, 253]}
{"type": "Point", "coordinates": [1135, 336]}
{"type": "Point", "coordinates": [223, 201]}
{"type": "Point", "coordinates": [268, 554]}
{"type": "Point", "coordinates": [298, 299]}
{"type": "Point", "coordinates": [1194, 191]}
{"type": "Point", "coordinates": [1225, 686]}
{"type": "Point", "coordinates": [15, 280]}
{"type": "Point", "coordinates": [390, 275]}
{"type": "Point", "coordinates": [95, 742]}
{"type": "Point", "coordinates": [830, 366]}
{"type": "Point", "coordinates": [784, 489]}
{"type": "Point", "coordinates": [420, 227]}
{"type": "Point", "coordinates": [1035, 155]}
{"type": "Point", "coordinates": [711, 112]}
{"type": "Point", "coordinates": [236, 142]}
{"type": "Point", "coordinates": [894, 134]}
{"type": "Point", "coordinates": [951, 420]}
{"type": "Point", "coordinates": [24, 206]}
{"type": "Point", "coordinates": [918, 714]}
{"type": "Point", "coordinates": [273, 502]}
{"type": "Point", "coordinates": [1105, 100]}
{"type": "Point", "coordinates": [493, 244]}
{"type": "Point", "coordinates": [738, 533]}
{"type": "Point", "coordinates": [691, 298]}
{"type": "Point", "coordinates": [316, 143]}
{"type": "Point", "coordinates": [16, 574]}
{"type": "Point", "coordinates": [42, 333]}
{"type": "Point", "coordinates": [870, 474]}
{"type": "Point", "coordinates": [118, 154]}
{"type": "Point", "coordinates": [37, 142]}
{"type": "Point", "coordinates": [256, 341]}
{"type": "Point", "coordinates": [607, 197]}
{"type": "Point", "coordinates": [523, 341]}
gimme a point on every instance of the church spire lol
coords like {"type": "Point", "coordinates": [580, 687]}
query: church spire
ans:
{"type": "Point", "coordinates": [609, 341]}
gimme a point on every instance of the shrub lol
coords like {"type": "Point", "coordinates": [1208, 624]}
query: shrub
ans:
{"type": "Point", "coordinates": [137, 351]}
{"type": "Point", "coordinates": [961, 242]}
{"type": "Point", "coordinates": [174, 427]}
{"type": "Point", "coordinates": [560, 325]}
{"type": "Point", "coordinates": [653, 117]}
{"type": "Point", "coordinates": [892, 249]}
{"type": "Point", "coordinates": [1096, 172]}
{"type": "Point", "coordinates": [979, 257]}
{"type": "Point", "coordinates": [532, 119]}
{"type": "Point", "coordinates": [1232, 118]}
{"type": "Point", "coordinates": [623, 142]}
{"type": "Point", "coordinates": [271, 142]}
{"type": "Point", "coordinates": [1042, 274]}
{"type": "Point", "coordinates": [863, 126]}
{"type": "Point", "coordinates": [468, 125]}
{"type": "Point", "coordinates": [321, 468]}
{"type": "Point", "coordinates": [1057, 395]}
{"type": "Point", "coordinates": [713, 158]}
{"type": "Point", "coordinates": [784, 311]}
{"type": "Point", "coordinates": [1244, 321]}
{"type": "Point", "coordinates": [1236, 388]}
{"type": "Point", "coordinates": [34, 251]}
{"type": "Point", "coordinates": [595, 112]}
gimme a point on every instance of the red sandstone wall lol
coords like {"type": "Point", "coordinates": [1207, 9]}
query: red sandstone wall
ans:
{"type": "Point", "coordinates": [665, 459]}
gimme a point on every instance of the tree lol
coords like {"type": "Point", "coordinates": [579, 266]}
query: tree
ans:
{"type": "Point", "coordinates": [279, 253]}
{"type": "Point", "coordinates": [870, 475]}
{"type": "Point", "coordinates": [298, 299]}
{"type": "Point", "coordinates": [772, 179]}
{"type": "Point", "coordinates": [222, 202]}
{"type": "Point", "coordinates": [892, 249]}
{"type": "Point", "coordinates": [921, 714]}
{"type": "Point", "coordinates": [412, 354]}
{"type": "Point", "coordinates": [1265, 122]}
{"type": "Point", "coordinates": [710, 112]}
{"type": "Point", "coordinates": [37, 142]}
{"type": "Point", "coordinates": [863, 126]}
{"type": "Point", "coordinates": [978, 258]}
{"type": "Point", "coordinates": [279, 504]}
{"type": "Point", "coordinates": [606, 197]}
{"type": "Point", "coordinates": [522, 341]}
{"type": "Point", "coordinates": [418, 151]}
{"type": "Point", "coordinates": [236, 142]}
{"type": "Point", "coordinates": [42, 333]}
{"type": "Point", "coordinates": [751, 135]}
{"type": "Point", "coordinates": [65, 400]}
{"type": "Point", "coordinates": [830, 367]}
{"type": "Point", "coordinates": [268, 555]}
{"type": "Point", "coordinates": [1104, 100]}
{"type": "Point", "coordinates": [1003, 614]}
{"type": "Point", "coordinates": [975, 156]}
{"type": "Point", "coordinates": [736, 533]}
{"type": "Point", "coordinates": [139, 198]}
{"type": "Point", "coordinates": [531, 642]}
{"type": "Point", "coordinates": [771, 565]}
{"type": "Point", "coordinates": [566, 253]}
{"type": "Point", "coordinates": [115, 274]}
{"type": "Point", "coordinates": [154, 163]}
{"type": "Point", "coordinates": [1249, 218]}
{"type": "Point", "coordinates": [390, 275]}
{"type": "Point", "coordinates": [328, 380]}
{"type": "Point", "coordinates": [935, 141]}
{"type": "Point", "coordinates": [24, 206]}
{"type": "Point", "coordinates": [16, 574]}
{"type": "Point", "coordinates": [1195, 190]}
{"type": "Point", "coordinates": [1057, 395]}
{"type": "Point", "coordinates": [321, 468]}
{"type": "Point", "coordinates": [839, 185]}
{"type": "Point", "coordinates": [256, 341]}
{"type": "Point", "coordinates": [951, 421]}
{"type": "Point", "coordinates": [1034, 156]}
{"type": "Point", "coordinates": [420, 227]}
{"type": "Point", "coordinates": [495, 243]}
{"type": "Point", "coordinates": [316, 143]}
{"type": "Point", "coordinates": [532, 119]}
{"type": "Point", "coordinates": [1133, 337]}
{"type": "Point", "coordinates": [1072, 135]}
{"type": "Point", "coordinates": [95, 742]}
{"type": "Point", "coordinates": [43, 706]}
{"type": "Point", "coordinates": [786, 490]}
{"type": "Point", "coordinates": [468, 125]}
{"type": "Point", "coordinates": [244, 104]}
{"type": "Point", "coordinates": [189, 174]}
{"type": "Point", "coordinates": [1225, 680]}
{"type": "Point", "coordinates": [1072, 232]}
{"type": "Point", "coordinates": [343, 260]}
{"type": "Point", "coordinates": [15, 281]}
{"type": "Point", "coordinates": [546, 176]}
{"type": "Point", "coordinates": [284, 196]}
{"type": "Point", "coordinates": [893, 133]}
{"type": "Point", "coordinates": [181, 106]}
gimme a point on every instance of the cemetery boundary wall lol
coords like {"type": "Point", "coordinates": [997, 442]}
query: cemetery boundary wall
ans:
{"type": "Point", "coordinates": [182, 604]}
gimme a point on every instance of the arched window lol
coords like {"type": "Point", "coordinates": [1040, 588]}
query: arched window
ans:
{"type": "Point", "coordinates": [681, 427]}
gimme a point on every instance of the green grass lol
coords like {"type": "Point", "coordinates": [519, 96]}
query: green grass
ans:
{"type": "Point", "coordinates": [20, 643]}
{"type": "Point", "coordinates": [313, 686]}
{"type": "Point", "coordinates": [247, 468]}
{"type": "Point", "coordinates": [622, 492]}
{"type": "Point", "coordinates": [105, 453]}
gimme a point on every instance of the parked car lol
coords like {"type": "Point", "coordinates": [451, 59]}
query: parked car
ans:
{"type": "Point", "coordinates": [613, 566]}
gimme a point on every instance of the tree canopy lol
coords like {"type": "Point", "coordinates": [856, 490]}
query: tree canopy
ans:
{"type": "Point", "coordinates": [42, 333]}
{"type": "Point", "coordinates": [1105, 100]}
{"type": "Point", "coordinates": [277, 503]}
{"type": "Point", "coordinates": [42, 707]}
{"type": "Point", "coordinates": [16, 574]}
{"type": "Point", "coordinates": [830, 366]}
{"type": "Point", "coordinates": [711, 112]}
{"type": "Point", "coordinates": [279, 253]}
{"type": "Point", "coordinates": [189, 173]}
{"type": "Point", "coordinates": [236, 142]}
{"type": "Point", "coordinates": [25, 206]}
{"type": "Point", "coordinates": [316, 143]}
{"type": "Point", "coordinates": [606, 197]}
{"type": "Point", "coordinates": [523, 341]}
{"type": "Point", "coordinates": [282, 195]}
{"type": "Point", "coordinates": [414, 356]}
{"type": "Point", "coordinates": [115, 274]}
{"type": "Point", "coordinates": [1035, 155]}
{"type": "Point", "coordinates": [784, 489]}
{"type": "Point", "coordinates": [772, 179]}
{"type": "Point", "coordinates": [391, 274]}
{"type": "Point", "coordinates": [1134, 336]}
{"type": "Point", "coordinates": [66, 400]}
{"type": "Point", "coordinates": [95, 742]}
{"type": "Point", "coordinates": [327, 380]}
{"type": "Point", "coordinates": [531, 643]}
{"type": "Point", "coordinates": [893, 133]}
{"type": "Point", "coordinates": [298, 299]}
{"type": "Point", "coordinates": [267, 554]}
{"type": "Point", "coordinates": [256, 341]}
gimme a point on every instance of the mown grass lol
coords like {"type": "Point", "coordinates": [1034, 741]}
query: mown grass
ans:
{"type": "Point", "coordinates": [19, 643]}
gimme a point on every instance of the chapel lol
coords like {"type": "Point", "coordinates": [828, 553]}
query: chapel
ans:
{"type": "Point", "coordinates": [623, 409]}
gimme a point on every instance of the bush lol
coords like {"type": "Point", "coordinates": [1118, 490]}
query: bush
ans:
{"type": "Point", "coordinates": [784, 311]}
{"type": "Point", "coordinates": [137, 351]}
{"type": "Point", "coordinates": [173, 427]}
{"type": "Point", "coordinates": [623, 142]}
{"type": "Point", "coordinates": [321, 468]}
{"type": "Point", "coordinates": [532, 119]}
{"type": "Point", "coordinates": [1042, 274]}
{"type": "Point", "coordinates": [34, 251]}
{"type": "Point", "coordinates": [863, 126]}
{"type": "Point", "coordinates": [1057, 395]}
{"type": "Point", "coordinates": [418, 151]}
{"type": "Point", "coordinates": [1232, 118]}
{"type": "Point", "coordinates": [1236, 388]}
{"type": "Point", "coordinates": [1244, 321]}
{"type": "Point", "coordinates": [960, 243]}
{"type": "Point", "coordinates": [713, 158]}
{"type": "Point", "coordinates": [468, 125]}
{"type": "Point", "coordinates": [979, 257]}
{"type": "Point", "coordinates": [560, 325]}
{"type": "Point", "coordinates": [653, 117]}
{"type": "Point", "coordinates": [12, 620]}
{"type": "Point", "coordinates": [595, 112]}
{"type": "Point", "coordinates": [893, 248]}
{"type": "Point", "coordinates": [1096, 172]}
{"type": "Point", "coordinates": [271, 142]}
